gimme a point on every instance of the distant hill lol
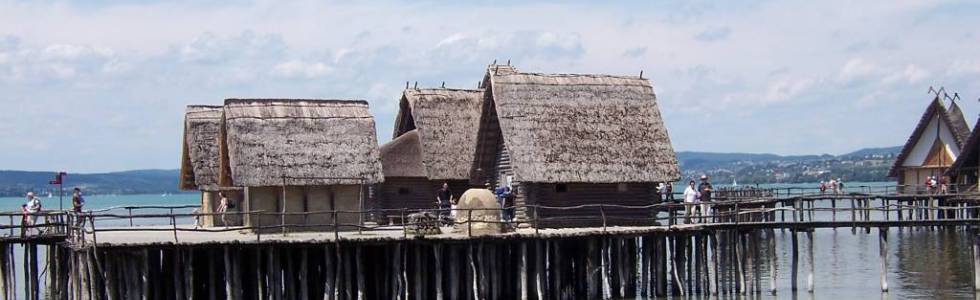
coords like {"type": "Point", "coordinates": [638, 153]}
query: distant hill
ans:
{"type": "Point", "coordinates": [885, 151]}
{"type": "Point", "coordinates": [18, 183]}
{"type": "Point", "coordinates": [870, 164]}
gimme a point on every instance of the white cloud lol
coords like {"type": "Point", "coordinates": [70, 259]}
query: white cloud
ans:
{"type": "Point", "coordinates": [302, 69]}
{"type": "Point", "coordinates": [856, 69]}
{"type": "Point", "coordinates": [785, 89]}
{"type": "Point", "coordinates": [125, 71]}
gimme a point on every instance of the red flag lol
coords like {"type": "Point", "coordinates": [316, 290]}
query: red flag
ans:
{"type": "Point", "coordinates": [57, 178]}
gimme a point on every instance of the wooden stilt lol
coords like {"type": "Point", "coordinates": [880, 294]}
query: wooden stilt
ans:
{"type": "Point", "coordinates": [713, 264]}
{"type": "Point", "coordinates": [795, 259]}
{"type": "Point", "coordinates": [771, 237]}
{"type": "Point", "coordinates": [810, 262]}
{"type": "Point", "coordinates": [303, 275]}
{"type": "Point", "coordinates": [883, 253]}
{"type": "Point", "coordinates": [359, 260]}
{"type": "Point", "coordinates": [437, 258]}
{"type": "Point", "coordinates": [540, 269]}
{"type": "Point", "coordinates": [976, 262]}
{"type": "Point", "coordinates": [522, 269]}
{"type": "Point", "coordinates": [454, 272]}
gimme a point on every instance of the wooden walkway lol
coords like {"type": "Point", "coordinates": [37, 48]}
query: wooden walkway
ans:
{"type": "Point", "coordinates": [112, 256]}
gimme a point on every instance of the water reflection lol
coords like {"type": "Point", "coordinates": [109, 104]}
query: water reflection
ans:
{"type": "Point", "coordinates": [923, 264]}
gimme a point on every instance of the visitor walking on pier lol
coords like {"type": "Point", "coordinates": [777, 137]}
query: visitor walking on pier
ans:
{"type": "Point", "coordinates": [704, 190]}
{"type": "Point", "coordinates": [691, 196]}
{"type": "Point", "coordinates": [77, 202]}
{"type": "Point", "coordinates": [33, 208]}
{"type": "Point", "coordinates": [223, 208]}
{"type": "Point", "coordinates": [444, 199]}
{"type": "Point", "coordinates": [669, 191]}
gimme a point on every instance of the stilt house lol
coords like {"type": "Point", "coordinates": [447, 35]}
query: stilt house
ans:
{"type": "Point", "coordinates": [200, 161]}
{"type": "Point", "coordinates": [573, 139]}
{"type": "Point", "coordinates": [965, 171]}
{"type": "Point", "coordinates": [300, 156]}
{"type": "Point", "coordinates": [932, 148]}
{"type": "Point", "coordinates": [434, 142]}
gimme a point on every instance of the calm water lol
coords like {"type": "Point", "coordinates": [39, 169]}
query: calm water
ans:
{"type": "Point", "coordinates": [922, 264]}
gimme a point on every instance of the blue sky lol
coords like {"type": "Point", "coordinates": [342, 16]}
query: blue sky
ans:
{"type": "Point", "coordinates": [101, 86]}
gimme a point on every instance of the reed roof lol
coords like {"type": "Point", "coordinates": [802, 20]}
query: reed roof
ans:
{"type": "Point", "coordinates": [935, 107]}
{"type": "Point", "coordinates": [402, 156]}
{"type": "Point", "coordinates": [580, 128]}
{"type": "Point", "coordinates": [968, 155]}
{"type": "Point", "coordinates": [201, 140]}
{"type": "Point", "coordinates": [958, 122]}
{"type": "Point", "coordinates": [305, 141]}
{"type": "Point", "coordinates": [446, 121]}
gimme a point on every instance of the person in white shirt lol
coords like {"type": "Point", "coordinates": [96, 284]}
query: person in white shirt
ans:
{"type": "Point", "coordinates": [33, 208]}
{"type": "Point", "coordinates": [691, 197]}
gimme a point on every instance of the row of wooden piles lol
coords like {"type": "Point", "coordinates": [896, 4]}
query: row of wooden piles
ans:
{"type": "Point", "coordinates": [593, 267]}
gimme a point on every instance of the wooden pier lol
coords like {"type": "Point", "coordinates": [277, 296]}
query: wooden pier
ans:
{"type": "Point", "coordinates": [729, 252]}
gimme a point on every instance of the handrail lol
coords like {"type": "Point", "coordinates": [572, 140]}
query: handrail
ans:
{"type": "Point", "coordinates": [728, 211]}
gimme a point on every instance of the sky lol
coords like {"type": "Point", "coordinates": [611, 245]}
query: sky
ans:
{"type": "Point", "coordinates": [95, 86]}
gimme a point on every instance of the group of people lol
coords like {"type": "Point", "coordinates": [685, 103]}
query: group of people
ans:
{"type": "Point", "coordinates": [697, 199]}
{"type": "Point", "coordinates": [935, 185]}
{"type": "Point", "coordinates": [836, 186]}
{"type": "Point", "coordinates": [31, 211]}
{"type": "Point", "coordinates": [447, 202]}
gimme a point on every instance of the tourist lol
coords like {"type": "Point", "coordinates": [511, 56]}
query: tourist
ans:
{"type": "Point", "coordinates": [669, 191]}
{"type": "Point", "coordinates": [704, 190]}
{"type": "Point", "coordinates": [25, 219]}
{"type": "Point", "coordinates": [660, 191]}
{"type": "Point", "coordinates": [833, 186]}
{"type": "Point", "coordinates": [223, 207]}
{"type": "Point", "coordinates": [33, 208]}
{"type": "Point", "coordinates": [444, 198]}
{"type": "Point", "coordinates": [197, 217]}
{"type": "Point", "coordinates": [840, 185]}
{"type": "Point", "coordinates": [77, 202]}
{"type": "Point", "coordinates": [691, 196]}
{"type": "Point", "coordinates": [823, 187]}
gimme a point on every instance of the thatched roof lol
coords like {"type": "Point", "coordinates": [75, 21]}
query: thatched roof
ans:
{"type": "Point", "coordinates": [969, 153]}
{"type": "Point", "coordinates": [199, 162]}
{"type": "Point", "coordinates": [310, 142]}
{"type": "Point", "coordinates": [578, 128]}
{"type": "Point", "coordinates": [936, 107]}
{"type": "Point", "coordinates": [447, 121]}
{"type": "Point", "coordinates": [402, 156]}
{"type": "Point", "coordinates": [960, 128]}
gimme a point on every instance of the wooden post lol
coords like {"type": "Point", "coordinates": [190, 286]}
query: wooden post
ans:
{"type": "Point", "coordinates": [522, 269]}
{"type": "Point", "coordinates": [883, 252]}
{"type": "Point", "coordinates": [454, 273]}
{"type": "Point", "coordinates": [795, 259]}
{"type": "Point", "coordinates": [809, 255]}
{"type": "Point", "coordinates": [678, 285]}
{"type": "Point", "coordinates": [976, 262]}
{"type": "Point", "coordinates": [772, 260]}
{"type": "Point", "coordinates": [713, 264]}
{"type": "Point", "coordinates": [360, 273]}
{"type": "Point", "coordinates": [437, 255]}
{"type": "Point", "coordinates": [539, 269]}
{"type": "Point", "coordinates": [739, 261]}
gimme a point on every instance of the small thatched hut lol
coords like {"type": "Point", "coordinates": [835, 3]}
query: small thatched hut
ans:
{"type": "Point", "coordinates": [573, 139]}
{"type": "Point", "coordinates": [200, 161]}
{"type": "Point", "coordinates": [932, 148]}
{"type": "Point", "coordinates": [434, 141]}
{"type": "Point", "coordinates": [299, 156]}
{"type": "Point", "coordinates": [965, 171]}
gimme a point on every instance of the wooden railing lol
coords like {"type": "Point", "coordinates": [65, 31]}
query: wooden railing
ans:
{"type": "Point", "coordinates": [863, 211]}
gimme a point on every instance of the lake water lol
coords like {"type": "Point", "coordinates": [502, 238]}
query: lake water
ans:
{"type": "Point", "coordinates": [923, 264]}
